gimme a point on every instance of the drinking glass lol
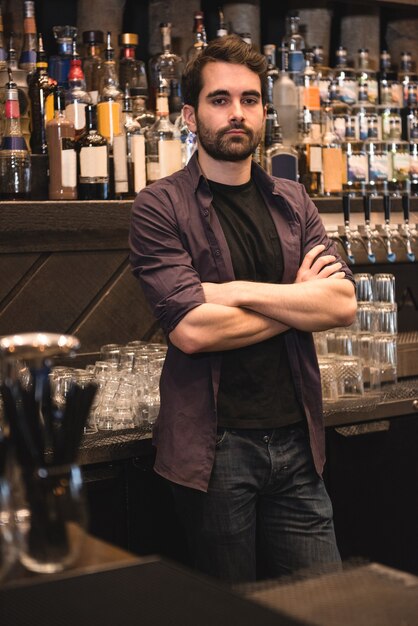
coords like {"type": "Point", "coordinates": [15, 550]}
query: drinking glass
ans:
{"type": "Point", "coordinates": [364, 287]}
{"type": "Point", "coordinates": [349, 376]}
{"type": "Point", "coordinates": [384, 288]}
{"type": "Point", "coordinates": [328, 380]}
{"type": "Point", "coordinates": [387, 354]}
{"type": "Point", "coordinates": [366, 350]}
{"type": "Point", "coordinates": [110, 352]}
{"type": "Point", "coordinates": [386, 318]}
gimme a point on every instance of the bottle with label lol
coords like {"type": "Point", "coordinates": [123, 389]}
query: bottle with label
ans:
{"type": "Point", "coordinates": [399, 158]}
{"type": "Point", "coordinates": [340, 110]}
{"type": "Point", "coordinates": [362, 111]}
{"type": "Point", "coordinates": [131, 69]}
{"type": "Point", "coordinates": [387, 113]}
{"type": "Point", "coordinates": [162, 141]}
{"type": "Point", "coordinates": [346, 77]}
{"type": "Point", "coordinates": [222, 29]}
{"type": "Point", "coordinates": [310, 160]}
{"type": "Point", "coordinates": [200, 41]}
{"type": "Point", "coordinates": [40, 87]}
{"type": "Point", "coordinates": [92, 160]}
{"type": "Point", "coordinates": [27, 60]}
{"type": "Point", "coordinates": [409, 113]}
{"type": "Point", "coordinates": [15, 166]}
{"type": "Point", "coordinates": [278, 159]}
{"type": "Point", "coordinates": [365, 75]}
{"type": "Point", "coordinates": [332, 157]}
{"type": "Point", "coordinates": [390, 89]}
{"type": "Point", "coordinates": [60, 134]}
{"type": "Point", "coordinates": [269, 51]}
{"type": "Point", "coordinates": [76, 96]}
{"type": "Point", "coordinates": [295, 44]}
{"type": "Point", "coordinates": [59, 64]}
{"type": "Point", "coordinates": [3, 55]}
{"type": "Point", "coordinates": [135, 147]}
{"type": "Point", "coordinates": [109, 108]}
{"type": "Point", "coordinates": [309, 96]}
{"type": "Point", "coordinates": [286, 103]}
{"type": "Point", "coordinates": [20, 79]}
{"type": "Point", "coordinates": [379, 163]}
{"type": "Point", "coordinates": [169, 66]}
{"type": "Point", "coordinates": [141, 113]}
{"type": "Point", "coordinates": [406, 75]}
{"type": "Point", "coordinates": [93, 41]}
{"type": "Point", "coordinates": [325, 75]}
{"type": "Point", "coordinates": [355, 175]}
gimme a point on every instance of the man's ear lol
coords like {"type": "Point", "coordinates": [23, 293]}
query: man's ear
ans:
{"type": "Point", "coordinates": [189, 117]}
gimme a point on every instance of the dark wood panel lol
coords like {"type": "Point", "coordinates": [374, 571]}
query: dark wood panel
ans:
{"type": "Point", "coordinates": [119, 316]}
{"type": "Point", "coordinates": [13, 268]}
{"type": "Point", "coordinates": [58, 293]}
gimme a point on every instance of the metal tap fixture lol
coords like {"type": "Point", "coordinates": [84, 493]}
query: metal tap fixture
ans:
{"type": "Point", "coordinates": [391, 256]}
{"type": "Point", "coordinates": [367, 202]}
{"type": "Point", "coordinates": [406, 227]}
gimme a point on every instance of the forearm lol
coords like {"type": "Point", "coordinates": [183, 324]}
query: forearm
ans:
{"type": "Point", "coordinates": [213, 327]}
{"type": "Point", "coordinates": [309, 306]}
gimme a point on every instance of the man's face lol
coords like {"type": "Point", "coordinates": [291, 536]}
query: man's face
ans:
{"type": "Point", "coordinates": [229, 119]}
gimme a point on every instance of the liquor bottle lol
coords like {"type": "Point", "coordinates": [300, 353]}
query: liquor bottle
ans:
{"type": "Point", "coordinates": [141, 113]}
{"type": "Point", "coordinates": [310, 161]}
{"type": "Point", "coordinates": [390, 89]}
{"type": "Point", "coordinates": [332, 157]}
{"type": "Point", "coordinates": [355, 174]}
{"type": "Point", "coordinates": [93, 61]}
{"type": "Point", "coordinates": [135, 147]}
{"type": "Point", "coordinates": [246, 38]}
{"type": "Point", "coordinates": [286, 103]}
{"type": "Point", "coordinates": [109, 107]}
{"type": "Point", "coordinates": [278, 159]}
{"type": "Point", "coordinates": [20, 77]}
{"type": "Point", "coordinates": [15, 167]}
{"type": "Point", "coordinates": [310, 97]}
{"type": "Point", "coordinates": [409, 113]}
{"type": "Point", "coordinates": [269, 51]}
{"type": "Point", "coordinates": [362, 111]}
{"type": "Point", "coordinates": [3, 63]}
{"type": "Point", "coordinates": [340, 110]}
{"type": "Point", "coordinates": [162, 141]}
{"type": "Point", "coordinates": [167, 65]}
{"type": "Point", "coordinates": [188, 140]}
{"type": "Point", "coordinates": [346, 77]}
{"type": "Point", "coordinates": [60, 135]}
{"type": "Point", "coordinates": [413, 159]}
{"type": "Point", "coordinates": [27, 59]}
{"type": "Point", "coordinates": [365, 75]}
{"type": "Point", "coordinates": [131, 69]}
{"type": "Point", "coordinates": [324, 74]}
{"type": "Point", "coordinates": [40, 87]}
{"type": "Point", "coordinates": [200, 41]}
{"type": "Point", "coordinates": [59, 64]}
{"type": "Point", "coordinates": [92, 160]}
{"type": "Point", "coordinates": [76, 96]}
{"type": "Point", "coordinates": [222, 29]}
{"type": "Point", "coordinates": [295, 44]}
{"type": "Point", "coordinates": [406, 75]}
{"type": "Point", "coordinates": [399, 157]}
{"type": "Point", "coordinates": [379, 163]}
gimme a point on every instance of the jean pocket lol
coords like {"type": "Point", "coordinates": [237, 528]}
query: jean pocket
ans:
{"type": "Point", "coordinates": [220, 436]}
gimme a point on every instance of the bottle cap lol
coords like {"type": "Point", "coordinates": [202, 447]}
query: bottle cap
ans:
{"type": "Point", "coordinates": [128, 39]}
{"type": "Point", "coordinates": [93, 36]}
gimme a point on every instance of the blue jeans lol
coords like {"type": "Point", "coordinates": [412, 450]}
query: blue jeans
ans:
{"type": "Point", "coordinates": [266, 511]}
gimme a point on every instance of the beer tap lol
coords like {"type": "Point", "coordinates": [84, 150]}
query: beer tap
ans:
{"type": "Point", "coordinates": [347, 229]}
{"type": "Point", "coordinates": [391, 256]}
{"type": "Point", "coordinates": [367, 202]}
{"type": "Point", "coordinates": [406, 229]}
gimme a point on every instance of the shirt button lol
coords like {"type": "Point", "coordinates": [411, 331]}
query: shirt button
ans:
{"type": "Point", "coordinates": [205, 212]}
{"type": "Point", "coordinates": [217, 252]}
{"type": "Point", "coordinates": [266, 438]}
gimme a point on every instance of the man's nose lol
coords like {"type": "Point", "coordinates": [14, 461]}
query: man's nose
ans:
{"type": "Point", "coordinates": [236, 112]}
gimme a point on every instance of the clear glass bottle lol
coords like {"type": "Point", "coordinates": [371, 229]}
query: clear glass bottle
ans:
{"type": "Point", "coordinates": [324, 73]}
{"type": "Point", "coordinates": [409, 113]}
{"type": "Point", "coordinates": [295, 44]}
{"type": "Point", "coordinates": [76, 96]}
{"type": "Point", "coordinates": [20, 77]}
{"type": "Point", "coordinates": [379, 163]}
{"type": "Point", "coordinates": [222, 29]}
{"type": "Point", "coordinates": [144, 116]}
{"type": "Point", "coordinates": [310, 96]}
{"type": "Point", "coordinates": [413, 160]}
{"type": "Point", "coordinates": [40, 87]}
{"type": "Point", "coordinates": [362, 111]}
{"type": "Point", "coordinates": [390, 89]}
{"type": "Point", "coordinates": [286, 103]}
{"type": "Point", "coordinates": [278, 159]}
{"type": "Point", "coordinates": [27, 60]}
{"type": "Point", "coordinates": [15, 165]}
{"type": "Point", "coordinates": [406, 75]}
{"type": "Point", "coordinates": [60, 135]}
{"type": "Point", "coordinates": [355, 173]}
{"type": "Point", "coordinates": [131, 69]}
{"type": "Point", "coordinates": [3, 55]}
{"type": "Point", "coordinates": [388, 112]}
{"type": "Point", "coordinates": [162, 141]}
{"type": "Point", "coordinates": [59, 64]}
{"type": "Point", "coordinates": [332, 156]}
{"type": "Point", "coordinates": [310, 161]}
{"type": "Point", "coordinates": [109, 107]}
{"type": "Point", "coordinates": [135, 147]}
{"type": "Point", "coordinates": [167, 65]}
{"type": "Point", "coordinates": [93, 41]}
{"type": "Point", "coordinates": [269, 51]}
{"type": "Point", "coordinates": [199, 31]}
{"type": "Point", "coordinates": [346, 77]}
{"type": "Point", "coordinates": [92, 160]}
{"type": "Point", "coordinates": [399, 156]}
{"type": "Point", "coordinates": [366, 75]}
{"type": "Point", "coordinates": [340, 110]}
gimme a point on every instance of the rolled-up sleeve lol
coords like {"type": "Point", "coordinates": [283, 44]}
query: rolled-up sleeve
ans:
{"type": "Point", "coordinates": [160, 260]}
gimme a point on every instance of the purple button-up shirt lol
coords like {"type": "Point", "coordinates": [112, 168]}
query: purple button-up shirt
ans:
{"type": "Point", "coordinates": [176, 244]}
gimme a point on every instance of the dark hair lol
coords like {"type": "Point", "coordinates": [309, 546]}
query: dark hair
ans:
{"type": "Point", "coordinates": [229, 49]}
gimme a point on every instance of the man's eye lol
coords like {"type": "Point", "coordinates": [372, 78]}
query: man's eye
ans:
{"type": "Point", "coordinates": [219, 101]}
{"type": "Point", "coordinates": [250, 101]}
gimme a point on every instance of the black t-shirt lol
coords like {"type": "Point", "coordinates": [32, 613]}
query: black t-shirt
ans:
{"type": "Point", "coordinates": [256, 388]}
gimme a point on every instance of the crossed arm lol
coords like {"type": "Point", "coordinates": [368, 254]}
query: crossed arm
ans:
{"type": "Point", "coordinates": [241, 313]}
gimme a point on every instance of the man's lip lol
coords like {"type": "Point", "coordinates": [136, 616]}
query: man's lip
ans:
{"type": "Point", "coordinates": [236, 131]}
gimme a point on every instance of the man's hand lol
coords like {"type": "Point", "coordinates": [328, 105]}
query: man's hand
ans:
{"type": "Point", "coordinates": [314, 266]}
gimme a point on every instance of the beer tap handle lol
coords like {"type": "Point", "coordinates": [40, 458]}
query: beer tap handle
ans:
{"type": "Point", "coordinates": [346, 209]}
{"type": "Point", "coordinates": [405, 207]}
{"type": "Point", "coordinates": [367, 207]}
{"type": "Point", "coordinates": [386, 207]}
{"type": "Point", "coordinates": [348, 234]}
{"type": "Point", "coordinates": [367, 203]}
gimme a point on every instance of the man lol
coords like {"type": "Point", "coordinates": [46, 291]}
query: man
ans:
{"type": "Point", "coordinates": [239, 270]}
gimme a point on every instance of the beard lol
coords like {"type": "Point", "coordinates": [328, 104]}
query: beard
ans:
{"type": "Point", "coordinates": [223, 147]}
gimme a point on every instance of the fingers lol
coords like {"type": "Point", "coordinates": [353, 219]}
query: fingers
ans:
{"type": "Point", "coordinates": [311, 256]}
